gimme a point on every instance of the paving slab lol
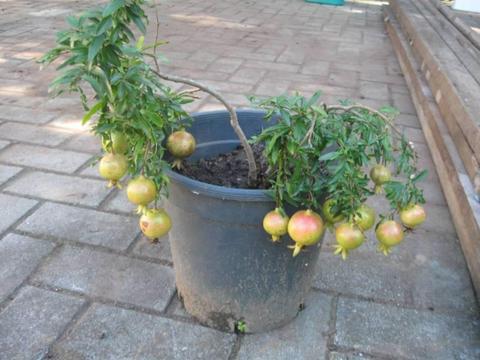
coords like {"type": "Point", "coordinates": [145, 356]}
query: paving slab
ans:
{"type": "Point", "coordinates": [12, 208]}
{"type": "Point", "coordinates": [62, 188]}
{"type": "Point", "coordinates": [32, 321]}
{"type": "Point", "coordinates": [7, 172]}
{"type": "Point", "coordinates": [119, 202]}
{"type": "Point", "coordinates": [157, 250]}
{"type": "Point", "coordinates": [408, 333]}
{"type": "Point", "coordinates": [86, 226]}
{"type": "Point", "coordinates": [110, 276]}
{"type": "Point", "coordinates": [304, 338]}
{"type": "Point", "coordinates": [21, 114]}
{"type": "Point", "coordinates": [19, 255]}
{"type": "Point", "coordinates": [84, 142]}
{"type": "Point", "coordinates": [4, 144]}
{"type": "Point", "coordinates": [43, 158]}
{"type": "Point", "coordinates": [108, 333]}
{"type": "Point", "coordinates": [41, 135]}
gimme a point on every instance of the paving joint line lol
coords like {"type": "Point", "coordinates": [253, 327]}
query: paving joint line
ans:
{"type": "Point", "coordinates": [429, 310]}
{"type": "Point", "coordinates": [332, 326]}
{"type": "Point", "coordinates": [93, 247]}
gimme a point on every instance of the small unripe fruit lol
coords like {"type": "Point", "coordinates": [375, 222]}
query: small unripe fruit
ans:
{"type": "Point", "coordinates": [389, 233]}
{"type": "Point", "coordinates": [141, 191]}
{"type": "Point", "coordinates": [330, 217]}
{"type": "Point", "coordinates": [380, 175]}
{"type": "Point", "coordinates": [180, 144]}
{"type": "Point", "coordinates": [113, 167]}
{"type": "Point", "coordinates": [275, 224]}
{"type": "Point", "coordinates": [412, 216]}
{"type": "Point", "coordinates": [305, 228]}
{"type": "Point", "coordinates": [364, 218]}
{"type": "Point", "coordinates": [117, 143]}
{"type": "Point", "coordinates": [349, 237]}
{"type": "Point", "coordinates": [155, 223]}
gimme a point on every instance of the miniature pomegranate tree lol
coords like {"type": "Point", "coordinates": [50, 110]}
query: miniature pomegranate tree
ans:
{"type": "Point", "coordinates": [311, 149]}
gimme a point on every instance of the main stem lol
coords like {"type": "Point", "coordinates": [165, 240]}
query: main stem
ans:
{"type": "Point", "coordinates": [252, 166]}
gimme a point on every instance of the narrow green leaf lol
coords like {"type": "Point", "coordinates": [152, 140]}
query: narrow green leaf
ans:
{"type": "Point", "coordinates": [93, 110]}
{"type": "Point", "coordinates": [95, 47]}
{"type": "Point", "coordinates": [112, 7]}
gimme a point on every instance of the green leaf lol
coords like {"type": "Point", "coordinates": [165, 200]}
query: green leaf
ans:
{"type": "Point", "coordinates": [93, 110]}
{"type": "Point", "coordinates": [141, 26]}
{"type": "Point", "coordinates": [113, 7]}
{"type": "Point", "coordinates": [421, 176]}
{"type": "Point", "coordinates": [104, 25]}
{"type": "Point", "coordinates": [95, 47]}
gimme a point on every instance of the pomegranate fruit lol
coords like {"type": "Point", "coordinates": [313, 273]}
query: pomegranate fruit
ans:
{"type": "Point", "coordinates": [180, 144]}
{"type": "Point", "coordinates": [113, 167]}
{"type": "Point", "coordinates": [380, 175]}
{"type": "Point", "coordinates": [349, 237]}
{"type": "Point", "coordinates": [155, 223]}
{"type": "Point", "coordinates": [141, 191]}
{"type": "Point", "coordinates": [305, 228]}
{"type": "Point", "coordinates": [275, 223]}
{"type": "Point", "coordinates": [389, 233]}
{"type": "Point", "coordinates": [412, 216]}
{"type": "Point", "coordinates": [330, 217]}
{"type": "Point", "coordinates": [364, 218]}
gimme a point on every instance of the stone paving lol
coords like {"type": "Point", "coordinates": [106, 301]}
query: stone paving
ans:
{"type": "Point", "coordinates": [78, 281]}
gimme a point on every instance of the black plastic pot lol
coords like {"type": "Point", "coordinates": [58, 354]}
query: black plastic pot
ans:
{"type": "Point", "coordinates": [227, 270]}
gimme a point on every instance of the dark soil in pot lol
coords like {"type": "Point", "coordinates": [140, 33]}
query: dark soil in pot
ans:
{"type": "Point", "coordinates": [228, 169]}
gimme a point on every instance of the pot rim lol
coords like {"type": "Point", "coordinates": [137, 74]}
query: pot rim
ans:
{"type": "Point", "coordinates": [217, 191]}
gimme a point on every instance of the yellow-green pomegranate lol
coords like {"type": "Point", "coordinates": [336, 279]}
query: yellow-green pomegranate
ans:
{"type": "Point", "coordinates": [380, 175]}
{"type": "Point", "coordinates": [155, 223]}
{"type": "Point", "coordinates": [389, 233]}
{"type": "Point", "coordinates": [180, 144]}
{"type": "Point", "coordinates": [113, 167]}
{"type": "Point", "coordinates": [141, 191]}
{"type": "Point", "coordinates": [275, 224]}
{"type": "Point", "coordinates": [349, 237]}
{"type": "Point", "coordinates": [412, 216]}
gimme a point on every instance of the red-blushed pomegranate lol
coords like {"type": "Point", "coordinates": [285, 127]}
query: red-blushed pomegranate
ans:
{"type": "Point", "coordinates": [349, 237]}
{"type": "Point", "coordinates": [305, 228]}
{"type": "Point", "coordinates": [113, 167]}
{"type": "Point", "coordinates": [180, 144]}
{"type": "Point", "coordinates": [380, 175]}
{"type": "Point", "coordinates": [364, 218]}
{"type": "Point", "coordinates": [141, 191]}
{"type": "Point", "coordinates": [155, 223]}
{"type": "Point", "coordinates": [275, 224]}
{"type": "Point", "coordinates": [389, 233]}
{"type": "Point", "coordinates": [412, 216]}
{"type": "Point", "coordinates": [328, 214]}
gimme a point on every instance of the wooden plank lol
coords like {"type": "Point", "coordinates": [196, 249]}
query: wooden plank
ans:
{"type": "Point", "coordinates": [457, 106]}
{"type": "Point", "coordinates": [463, 217]}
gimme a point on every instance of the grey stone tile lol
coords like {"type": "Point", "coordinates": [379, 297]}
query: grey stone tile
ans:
{"type": "Point", "coordinates": [304, 338]}
{"type": "Point", "coordinates": [69, 121]}
{"type": "Point", "coordinates": [4, 144]}
{"type": "Point", "coordinates": [7, 172]}
{"type": "Point", "coordinates": [395, 332]}
{"type": "Point", "coordinates": [82, 225]}
{"type": "Point", "coordinates": [84, 142]}
{"type": "Point", "coordinates": [109, 333]}
{"type": "Point", "coordinates": [157, 250]}
{"type": "Point", "coordinates": [19, 256]}
{"type": "Point", "coordinates": [440, 280]}
{"type": "Point", "coordinates": [42, 135]}
{"type": "Point", "coordinates": [16, 113]}
{"type": "Point", "coordinates": [13, 208]}
{"type": "Point", "coordinates": [60, 188]}
{"type": "Point", "coordinates": [374, 90]}
{"type": "Point", "coordinates": [110, 276]}
{"type": "Point", "coordinates": [43, 157]}
{"type": "Point", "coordinates": [30, 323]}
{"type": "Point", "coordinates": [349, 356]}
{"type": "Point", "coordinates": [119, 202]}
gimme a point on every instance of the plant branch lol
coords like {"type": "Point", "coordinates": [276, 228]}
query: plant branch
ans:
{"type": "Point", "coordinates": [252, 166]}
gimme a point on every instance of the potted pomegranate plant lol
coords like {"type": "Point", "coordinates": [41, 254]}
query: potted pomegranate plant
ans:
{"type": "Point", "coordinates": [247, 194]}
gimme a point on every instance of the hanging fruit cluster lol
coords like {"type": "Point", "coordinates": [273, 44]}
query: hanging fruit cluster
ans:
{"type": "Point", "coordinates": [136, 116]}
{"type": "Point", "coordinates": [313, 150]}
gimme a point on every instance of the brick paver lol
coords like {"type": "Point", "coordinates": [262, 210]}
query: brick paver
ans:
{"type": "Point", "coordinates": [77, 280]}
